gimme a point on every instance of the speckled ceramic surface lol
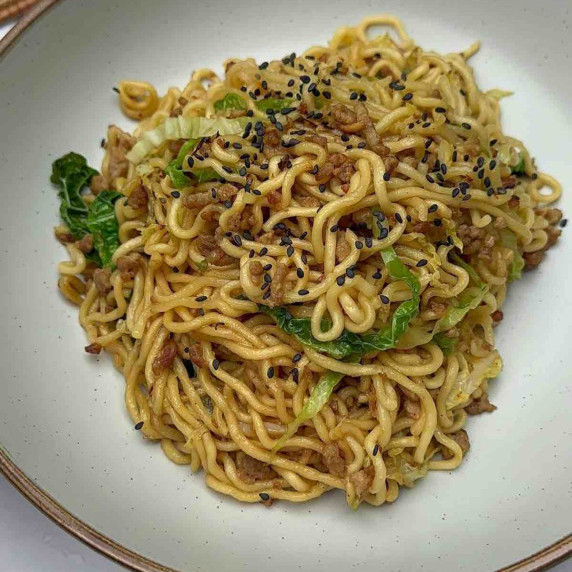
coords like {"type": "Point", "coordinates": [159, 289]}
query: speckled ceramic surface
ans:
{"type": "Point", "coordinates": [62, 418]}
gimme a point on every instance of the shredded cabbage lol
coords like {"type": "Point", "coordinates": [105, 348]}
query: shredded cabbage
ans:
{"type": "Point", "coordinates": [486, 368]}
{"type": "Point", "coordinates": [508, 239]}
{"type": "Point", "coordinates": [184, 128]}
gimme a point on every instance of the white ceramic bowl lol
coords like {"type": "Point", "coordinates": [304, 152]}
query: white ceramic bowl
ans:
{"type": "Point", "coordinates": [67, 441]}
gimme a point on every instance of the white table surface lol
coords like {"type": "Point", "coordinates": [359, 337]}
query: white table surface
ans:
{"type": "Point", "coordinates": [31, 542]}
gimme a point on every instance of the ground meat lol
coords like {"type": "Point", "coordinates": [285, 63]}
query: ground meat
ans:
{"type": "Point", "coordinates": [209, 248]}
{"type": "Point", "coordinates": [412, 408]}
{"type": "Point", "coordinates": [553, 234]}
{"type": "Point", "coordinates": [196, 356]}
{"type": "Point", "coordinates": [243, 220]}
{"type": "Point", "coordinates": [102, 280]}
{"type": "Point", "coordinates": [277, 287]}
{"type": "Point", "coordinates": [422, 227]}
{"type": "Point", "coordinates": [85, 244]}
{"type": "Point", "coordinates": [138, 198]}
{"type": "Point", "coordinates": [480, 405]}
{"type": "Point", "coordinates": [497, 316]}
{"type": "Point", "coordinates": [509, 182]}
{"type": "Point", "coordinates": [308, 201]}
{"type": "Point", "coordinates": [99, 183]}
{"type": "Point", "coordinates": [334, 460]}
{"type": "Point", "coordinates": [346, 120]}
{"type": "Point", "coordinates": [274, 197]}
{"type": "Point", "coordinates": [344, 172]}
{"type": "Point", "coordinates": [119, 144]}
{"type": "Point", "coordinates": [532, 259]}
{"type": "Point", "coordinates": [324, 173]}
{"type": "Point", "coordinates": [256, 272]}
{"type": "Point", "coordinates": [370, 134]}
{"type": "Point", "coordinates": [318, 139]}
{"type": "Point", "coordinates": [362, 480]}
{"type": "Point", "coordinates": [390, 163]}
{"type": "Point", "coordinates": [251, 470]}
{"type": "Point", "coordinates": [553, 216]}
{"type": "Point", "coordinates": [220, 195]}
{"type": "Point", "coordinates": [476, 241]}
{"type": "Point", "coordinates": [128, 266]}
{"type": "Point", "coordinates": [93, 349]}
{"type": "Point", "coordinates": [462, 439]}
{"type": "Point", "coordinates": [166, 356]}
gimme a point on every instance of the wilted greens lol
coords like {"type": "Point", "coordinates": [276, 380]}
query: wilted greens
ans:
{"type": "Point", "coordinates": [72, 175]}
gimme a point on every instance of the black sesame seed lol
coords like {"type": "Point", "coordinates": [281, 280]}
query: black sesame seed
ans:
{"type": "Point", "coordinates": [493, 142]}
{"type": "Point", "coordinates": [303, 292]}
{"type": "Point", "coordinates": [454, 157]}
{"type": "Point", "coordinates": [361, 145]}
{"type": "Point", "coordinates": [383, 233]}
{"type": "Point", "coordinates": [251, 254]}
{"type": "Point", "coordinates": [443, 168]}
{"type": "Point", "coordinates": [359, 244]}
{"type": "Point", "coordinates": [490, 192]}
{"type": "Point", "coordinates": [563, 222]}
{"type": "Point", "coordinates": [200, 298]}
{"type": "Point", "coordinates": [375, 450]}
{"type": "Point", "coordinates": [340, 280]}
{"type": "Point", "coordinates": [467, 197]}
{"type": "Point", "coordinates": [386, 176]}
{"type": "Point", "coordinates": [440, 110]}
{"type": "Point", "coordinates": [297, 358]}
{"type": "Point", "coordinates": [300, 273]}
{"type": "Point", "coordinates": [305, 78]}
{"type": "Point", "coordinates": [487, 182]}
{"type": "Point", "coordinates": [481, 174]}
{"type": "Point", "coordinates": [430, 178]}
{"type": "Point", "coordinates": [190, 162]}
{"type": "Point", "coordinates": [175, 194]}
{"type": "Point", "coordinates": [290, 251]}
{"type": "Point", "coordinates": [480, 162]}
{"type": "Point", "coordinates": [466, 125]}
{"type": "Point", "coordinates": [492, 164]}
{"type": "Point", "coordinates": [263, 251]}
{"type": "Point", "coordinates": [433, 208]}
{"type": "Point", "coordinates": [384, 299]}
{"type": "Point", "coordinates": [425, 125]}
{"type": "Point", "coordinates": [322, 188]}
{"type": "Point", "coordinates": [407, 97]}
{"type": "Point", "coordinates": [139, 425]}
{"type": "Point", "coordinates": [437, 222]}
{"type": "Point", "coordinates": [216, 363]}
{"type": "Point", "coordinates": [376, 275]}
{"type": "Point", "coordinates": [368, 242]}
{"type": "Point", "coordinates": [264, 496]}
{"type": "Point", "coordinates": [421, 263]}
{"type": "Point", "coordinates": [304, 235]}
{"type": "Point", "coordinates": [334, 228]}
{"type": "Point", "coordinates": [270, 372]}
{"type": "Point", "coordinates": [398, 218]}
{"type": "Point", "coordinates": [304, 259]}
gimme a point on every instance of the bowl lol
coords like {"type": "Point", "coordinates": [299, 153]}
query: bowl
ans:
{"type": "Point", "coordinates": [67, 442]}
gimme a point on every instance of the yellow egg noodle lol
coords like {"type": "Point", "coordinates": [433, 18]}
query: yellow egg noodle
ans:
{"type": "Point", "coordinates": [311, 255]}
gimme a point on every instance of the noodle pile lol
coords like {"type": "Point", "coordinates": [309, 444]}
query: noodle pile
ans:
{"type": "Point", "coordinates": [306, 279]}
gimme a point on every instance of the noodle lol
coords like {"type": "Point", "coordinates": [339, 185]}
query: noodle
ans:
{"type": "Point", "coordinates": [310, 257]}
